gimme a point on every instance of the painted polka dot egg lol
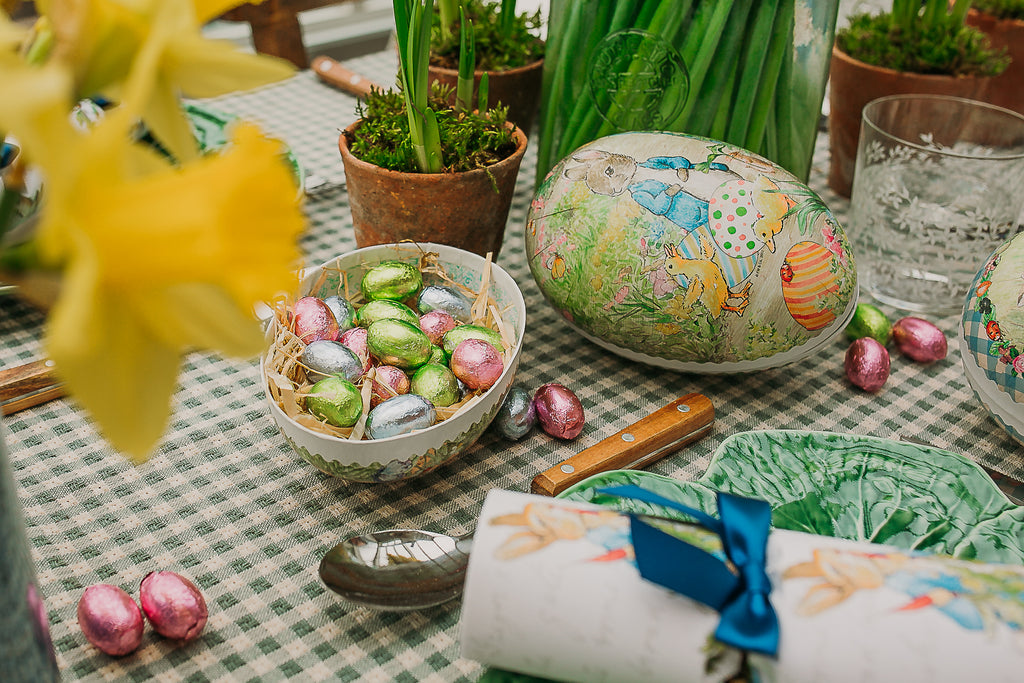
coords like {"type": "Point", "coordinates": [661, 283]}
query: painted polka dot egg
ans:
{"type": "Point", "coordinates": [690, 254]}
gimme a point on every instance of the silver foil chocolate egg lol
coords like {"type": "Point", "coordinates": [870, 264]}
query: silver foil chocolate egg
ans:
{"type": "Point", "coordinates": [867, 364]}
{"type": "Point", "coordinates": [344, 313]}
{"type": "Point", "coordinates": [110, 619]}
{"type": "Point", "coordinates": [447, 299]}
{"type": "Point", "coordinates": [400, 415]}
{"type": "Point", "coordinates": [477, 364]}
{"type": "Point", "coordinates": [559, 411]}
{"type": "Point", "coordinates": [517, 415]}
{"type": "Point", "coordinates": [919, 340]}
{"type": "Point", "coordinates": [324, 358]}
{"type": "Point", "coordinates": [173, 605]}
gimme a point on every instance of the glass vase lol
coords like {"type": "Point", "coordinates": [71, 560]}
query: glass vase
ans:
{"type": "Point", "coordinates": [750, 73]}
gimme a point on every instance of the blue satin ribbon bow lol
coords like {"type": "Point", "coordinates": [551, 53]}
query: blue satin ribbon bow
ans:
{"type": "Point", "coordinates": [748, 619]}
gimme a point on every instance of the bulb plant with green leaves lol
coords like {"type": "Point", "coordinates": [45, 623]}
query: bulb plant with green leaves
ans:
{"type": "Point", "coordinates": [413, 129]}
{"type": "Point", "coordinates": [1001, 9]}
{"type": "Point", "coordinates": [505, 38]}
{"type": "Point", "coordinates": [929, 37]}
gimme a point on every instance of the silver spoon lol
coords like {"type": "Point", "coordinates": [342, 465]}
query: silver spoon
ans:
{"type": "Point", "coordinates": [407, 569]}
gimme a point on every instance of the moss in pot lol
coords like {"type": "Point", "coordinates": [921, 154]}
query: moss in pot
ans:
{"type": "Point", "coordinates": [917, 47]}
{"type": "Point", "coordinates": [418, 168]}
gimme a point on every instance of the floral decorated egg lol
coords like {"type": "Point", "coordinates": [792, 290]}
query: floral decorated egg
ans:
{"type": "Point", "coordinates": [690, 254]}
{"type": "Point", "coordinates": [992, 336]}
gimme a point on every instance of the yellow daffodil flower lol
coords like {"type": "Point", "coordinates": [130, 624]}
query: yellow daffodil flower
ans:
{"type": "Point", "coordinates": [100, 40]}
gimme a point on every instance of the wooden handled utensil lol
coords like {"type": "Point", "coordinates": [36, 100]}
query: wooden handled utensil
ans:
{"type": "Point", "coordinates": [664, 431]}
{"type": "Point", "coordinates": [331, 72]}
{"type": "Point", "coordinates": [28, 385]}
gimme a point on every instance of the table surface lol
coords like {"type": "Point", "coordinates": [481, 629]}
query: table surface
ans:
{"type": "Point", "coordinates": [226, 502]}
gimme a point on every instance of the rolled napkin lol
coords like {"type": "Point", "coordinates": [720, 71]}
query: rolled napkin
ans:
{"type": "Point", "coordinates": [553, 589]}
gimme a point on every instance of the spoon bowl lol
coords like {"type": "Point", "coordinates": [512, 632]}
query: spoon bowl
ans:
{"type": "Point", "coordinates": [397, 569]}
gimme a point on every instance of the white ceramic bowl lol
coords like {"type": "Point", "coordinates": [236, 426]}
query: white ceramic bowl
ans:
{"type": "Point", "coordinates": [413, 454]}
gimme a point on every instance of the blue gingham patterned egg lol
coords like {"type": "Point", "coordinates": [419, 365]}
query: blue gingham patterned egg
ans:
{"type": "Point", "coordinates": [992, 336]}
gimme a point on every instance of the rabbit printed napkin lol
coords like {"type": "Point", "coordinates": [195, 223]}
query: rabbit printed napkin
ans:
{"type": "Point", "coordinates": [553, 590]}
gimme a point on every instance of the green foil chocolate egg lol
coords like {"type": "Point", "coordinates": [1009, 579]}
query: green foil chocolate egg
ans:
{"type": "Point", "coordinates": [398, 343]}
{"type": "Point", "coordinates": [456, 336]}
{"type": "Point", "coordinates": [436, 383]}
{"type": "Point", "coordinates": [869, 321]}
{"type": "Point", "coordinates": [394, 280]}
{"type": "Point", "coordinates": [383, 309]}
{"type": "Point", "coordinates": [335, 400]}
{"type": "Point", "coordinates": [438, 355]}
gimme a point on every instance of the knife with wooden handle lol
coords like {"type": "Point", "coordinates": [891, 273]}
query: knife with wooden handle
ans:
{"type": "Point", "coordinates": [664, 431]}
{"type": "Point", "coordinates": [331, 72]}
{"type": "Point", "coordinates": [28, 385]}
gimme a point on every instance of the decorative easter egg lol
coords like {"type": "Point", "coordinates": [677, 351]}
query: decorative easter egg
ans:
{"type": "Point", "coordinates": [436, 383]}
{"type": "Point", "coordinates": [324, 358]}
{"type": "Point", "coordinates": [174, 605]}
{"type": "Point", "coordinates": [992, 336]}
{"type": "Point", "coordinates": [395, 280]}
{"type": "Point", "coordinates": [400, 415]}
{"type": "Point", "coordinates": [399, 343]}
{"type": "Point", "coordinates": [110, 619]}
{"type": "Point", "coordinates": [447, 299]}
{"type": "Point", "coordinates": [690, 254]}
{"type": "Point", "coordinates": [335, 400]}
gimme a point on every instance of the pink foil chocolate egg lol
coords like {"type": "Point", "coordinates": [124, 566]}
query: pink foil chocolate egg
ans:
{"type": "Point", "coordinates": [355, 339]}
{"type": "Point", "coordinates": [389, 381]}
{"type": "Point", "coordinates": [110, 619]}
{"type": "Point", "coordinates": [173, 605]}
{"type": "Point", "coordinates": [867, 364]}
{"type": "Point", "coordinates": [312, 320]}
{"type": "Point", "coordinates": [559, 411]}
{"type": "Point", "coordinates": [919, 340]}
{"type": "Point", "coordinates": [435, 324]}
{"type": "Point", "coordinates": [477, 363]}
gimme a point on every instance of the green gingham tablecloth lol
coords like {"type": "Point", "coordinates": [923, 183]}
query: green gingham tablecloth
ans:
{"type": "Point", "coordinates": [226, 502]}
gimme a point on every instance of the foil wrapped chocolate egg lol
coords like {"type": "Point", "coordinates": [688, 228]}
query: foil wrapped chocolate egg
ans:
{"type": "Point", "coordinates": [388, 381]}
{"type": "Point", "coordinates": [869, 321]}
{"type": "Point", "coordinates": [398, 343]}
{"type": "Point", "coordinates": [385, 309]}
{"type": "Point", "coordinates": [867, 364]}
{"type": "Point", "coordinates": [110, 619]}
{"type": "Point", "coordinates": [324, 358]}
{"type": "Point", "coordinates": [394, 280]}
{"type": "Point", "coordinates": [559, 411]}
{"type": "Point", "coordinates": [355, 339]}
{"type": "Point", "coordinates": [477, 364]}
{"type": "Point", "coordinates": [400, 415]}
{"type": "Point", "coordinates": [461, 333]}
{"type": "Point", "coordinates": [517, 414]}
{"type": "Point", "coordinates": [335, 400]}
{"type": "Point", "coordinates": [919, 340]}
{"type": "Point", "coordinates": [435, 324]}
{"type": "Point", "coordinates": [439, 356]}
{"type": "Point", "coordinates": [173, 605]}
{"type": "Point", "coordinates": [313, 320]}
{"type": "Point", "coordinates": [344, 312]}
{"type": "Point", "coordinates": [447, 299]}
{"type": "Point", "coordinates": [436, 383]}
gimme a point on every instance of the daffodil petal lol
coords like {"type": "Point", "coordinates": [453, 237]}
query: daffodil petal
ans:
{"type": "Point", "coordinates": [34, 105]}
{"type": "Point", "coordinates": [206, 68]}
{"type": "Point", "coordinates": [206, 10]}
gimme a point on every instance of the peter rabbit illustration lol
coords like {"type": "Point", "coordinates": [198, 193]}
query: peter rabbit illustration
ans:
{"type": "Point", "coordinates": [704, 281]}
{"type": "Point", "coordinates": [544, 524]}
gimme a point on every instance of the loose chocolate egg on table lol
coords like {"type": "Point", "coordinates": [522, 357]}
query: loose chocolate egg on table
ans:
{"type": "Point", "coordinates": [110, 619]}
{"type": "Point", "coordinates": [919, 339]}
{"type": "Point", "coordinates": [867, 364]}
{"type": "Point", "coordinates": [992, 336]}
{"type": "Point", "coordinates": [173, 605]}
{"type": "Point", "coordinates": [559, 411]}
{"type": "Point", "coordinates": [517, 415]}
{"type": "Point", "coordinates": [690, 254]}
{"type": "Point", "coordinates": [447, 299]}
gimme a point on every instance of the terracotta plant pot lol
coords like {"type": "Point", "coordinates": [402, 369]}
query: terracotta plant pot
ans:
{"type": "Point", "coordinates": [518, 89]}
{"type": "Point", "coordinates": [458, 209]}
{"type": "Point", "coordinates": [852, 84]}
{"type": "Point", "coordinates": [1008, 87]}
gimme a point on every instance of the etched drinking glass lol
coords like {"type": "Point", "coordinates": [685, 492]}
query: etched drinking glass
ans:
{"type": "Point", "coordinates": [939, 184]}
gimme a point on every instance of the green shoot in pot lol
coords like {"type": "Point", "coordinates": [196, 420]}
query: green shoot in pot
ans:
{"type": "Point", "coordinates": [467, 64]}
{"type": "Point", "coordinates": [413, 20]}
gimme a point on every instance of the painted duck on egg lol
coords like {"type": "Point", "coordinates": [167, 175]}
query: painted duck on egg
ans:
{"type": "Point", "coordinates": [691, 254]}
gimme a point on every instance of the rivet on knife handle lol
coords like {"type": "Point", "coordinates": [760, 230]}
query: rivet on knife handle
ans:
{"type": "Point", "coordinates": [664, 431]}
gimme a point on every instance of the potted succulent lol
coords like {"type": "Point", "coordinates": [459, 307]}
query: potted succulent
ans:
{"type": "Point", "coordinates": [417, 168]}
{"type": "Point", "coordinates": [508, 50]}
{"type": "Point", "coordinates": [917, 47]}
{"type": "Point", "coordinates": [1003, 23]}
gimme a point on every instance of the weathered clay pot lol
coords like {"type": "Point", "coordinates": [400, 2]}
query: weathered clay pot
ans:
{"type": "Point", "coordinates": [458, 209]}
{"type": "Point", "coordinates": [518, 89]}
{"type": "Point", "coordinates": [852, 84]}
{"type": "Point", "coordinates": [1008, 87]}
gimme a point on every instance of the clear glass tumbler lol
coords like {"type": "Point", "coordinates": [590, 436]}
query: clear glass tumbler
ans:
{"type": "Point", "coordinates": [939, 184]}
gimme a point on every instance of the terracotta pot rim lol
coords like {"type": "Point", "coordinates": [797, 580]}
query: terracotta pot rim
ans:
{"type": "Point", "coordinates": [514, 158]}
{"type": "Point", "coordinates": [839, 54]}
{"type": "Point", "coordinates": [502, 72]}
{"type": "Point", "coordinates": [1018, 23]}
